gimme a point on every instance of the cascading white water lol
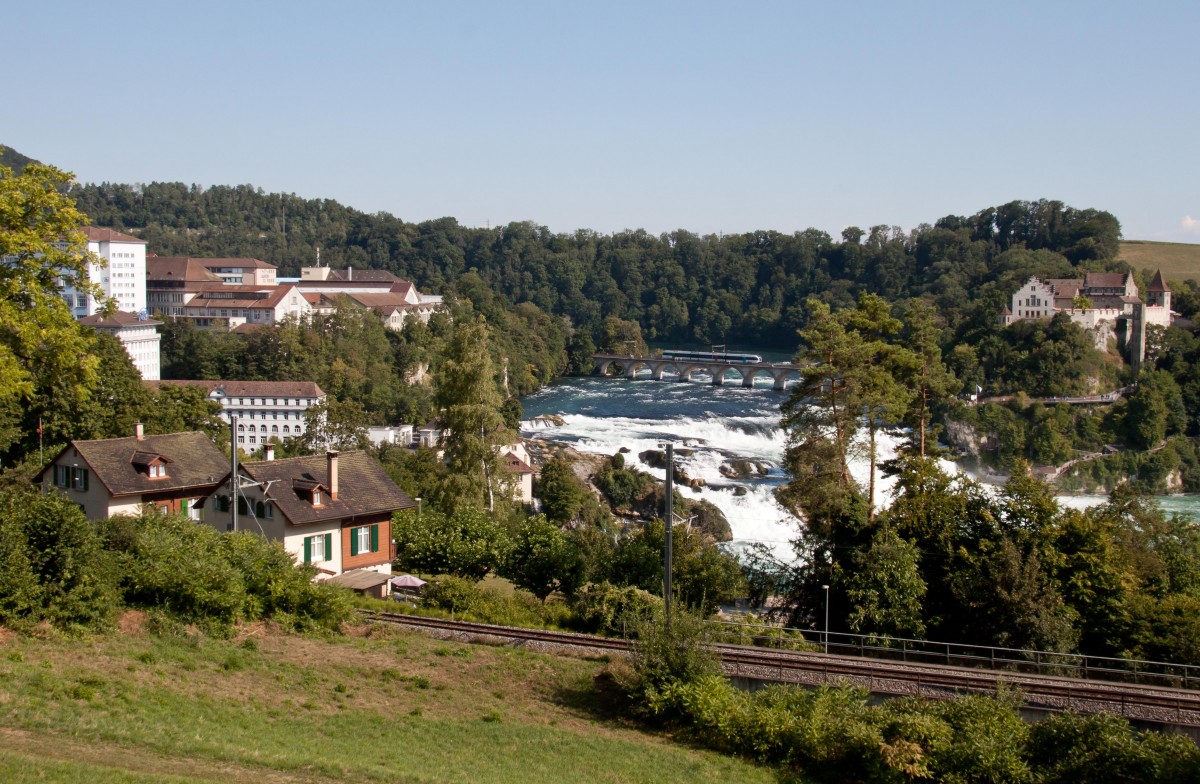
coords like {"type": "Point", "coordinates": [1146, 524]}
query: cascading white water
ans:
{"type": "Point", "coordinates": [717, 424]}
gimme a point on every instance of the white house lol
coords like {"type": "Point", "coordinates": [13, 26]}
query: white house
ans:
{"type": "Point", "coordinates": [332, 511]}
{"type": "Point", "coordinates": [175, 472]}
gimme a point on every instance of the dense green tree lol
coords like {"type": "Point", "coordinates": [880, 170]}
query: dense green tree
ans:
{"type": "Point", "coordinates": [176, 408]}
{"type": "Point", "coordinates": [470, 402]}
{"type": "Point", "coordinates": [332, 424]}
{"type": "Point", "coordinates": [118, 399]}
{"type": "Point", "coordinates": [46, 368]}
{"type": "Point", "coordinates": [886, 589]}
{"type": "Point", "coordinates": [561, 492]}
{"type": "Point", "coordinates": [544, 559]}
{"type": "Point", "coordinates": [468, 543]}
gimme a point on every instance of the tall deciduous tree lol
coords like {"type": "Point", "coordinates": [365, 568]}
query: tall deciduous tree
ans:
{"type": "Point", "coordinates": [470, 403]}
{"type": "Point", "coordinates": [41, 345]}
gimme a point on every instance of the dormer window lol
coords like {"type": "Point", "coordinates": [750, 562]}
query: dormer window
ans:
{"type": "Point", "coordinates": [150, 464]}
{"type": "Point", "coordinates": [310, 490]}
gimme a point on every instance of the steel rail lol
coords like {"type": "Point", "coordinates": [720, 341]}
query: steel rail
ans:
{"type": "Point", "coordinates": [879, 676]}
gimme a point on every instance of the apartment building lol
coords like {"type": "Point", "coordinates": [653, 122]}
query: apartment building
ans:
{"type": "Point", "coordinates": [265, 409]}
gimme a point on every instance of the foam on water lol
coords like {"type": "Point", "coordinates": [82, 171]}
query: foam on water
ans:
{"type": "Point", "coordinates": [716, 424]}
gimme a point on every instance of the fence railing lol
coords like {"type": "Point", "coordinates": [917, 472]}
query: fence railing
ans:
{"type": "Point", "coordinates": [1071, 665]}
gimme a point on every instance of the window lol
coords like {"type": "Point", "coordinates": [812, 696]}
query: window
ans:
{"type": "Point", "coordinates": [318, 548]}
{"type": "Point", "coordinates": [79, 478]}
{"type": "Point", "coordinates": [364, 539]}
{"type": "Point", "coordinates": [316, 497]}
{"type": "Point", "coordinates": [156, 471]}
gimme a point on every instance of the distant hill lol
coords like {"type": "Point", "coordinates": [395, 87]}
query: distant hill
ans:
{"type": "Point", "coordinates": [14, 160]}
{"type": "Point", "coordinates": [1177, 260]}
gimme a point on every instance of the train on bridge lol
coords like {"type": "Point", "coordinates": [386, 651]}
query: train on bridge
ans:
{"type": "Point", "coordinates": [711, 356]}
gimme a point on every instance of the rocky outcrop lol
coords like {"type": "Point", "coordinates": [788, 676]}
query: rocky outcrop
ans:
{"type": "Point", "coordinates": [743, 469]}
{"type": "Point", "coordinates": [963, 437]}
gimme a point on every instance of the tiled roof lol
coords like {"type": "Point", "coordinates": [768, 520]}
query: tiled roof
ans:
{"type": "Point", "coordinates": [97, 234]}
{"type": "Point", "coordinates": [363, 487]}
{"type": "Point", "coordinates": [1104, 280]}
{"type": "Point", "coordinates": [1158, 284]}
{"type": "Point", "coordinates": [1065, 287]}
{"type": "Point", "coordinates": [388, 300]}
{"type": "Point", "coordinates": [515, 465]}
{"type": "Point", "coordinates": [250, 388]}
{"type": "Point", "coordinates": [193, 462]}
{"type": "Point", "coordinates": [117, 320]}
{"type": "Point", "coordinates": [172, 268]}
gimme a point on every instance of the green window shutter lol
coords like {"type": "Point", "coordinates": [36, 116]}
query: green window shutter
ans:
{"type": "Point", "coordinates": [85, 478]}
{"type": "Point", "coordinates": [185, 505]}
{"type": "Point", "coordinates": [375, 538]}
{"type": "Point", "coordinates": [353, 541]}
{"type": "Point", "coordinates": [308, 549]}
{"type": "Point", "coordinates": [328, 547]}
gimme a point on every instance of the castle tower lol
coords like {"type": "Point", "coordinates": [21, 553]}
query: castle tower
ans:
{"type": "Point", "coordinates": [1158, 294]}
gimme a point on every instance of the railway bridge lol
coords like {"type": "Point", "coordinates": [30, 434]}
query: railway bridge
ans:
{"type": "Point", "coordinates": [718, 367]}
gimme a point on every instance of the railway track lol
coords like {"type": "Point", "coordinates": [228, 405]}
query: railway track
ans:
{"type": "Point", "coordinates": [1152, 704]}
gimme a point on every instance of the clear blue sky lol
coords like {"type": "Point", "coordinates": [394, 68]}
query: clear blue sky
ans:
{"type": "Point", "coordinates": [708, 116]}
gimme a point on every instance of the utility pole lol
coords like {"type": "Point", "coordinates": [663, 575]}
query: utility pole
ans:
{"type": "Point", "coordinates": [233, 473]}
{"type": "Point", "coordinates": [668, 521]}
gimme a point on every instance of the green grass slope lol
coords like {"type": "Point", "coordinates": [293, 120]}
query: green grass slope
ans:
{"type": "Point", "coordinates": [1177, 260]}
{"type": "Point", "coordinates": [384, 706]}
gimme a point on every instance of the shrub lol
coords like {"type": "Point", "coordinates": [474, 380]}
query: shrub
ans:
{"type": "Point", "coordinates": [1072, 749]}
{"type": "Point", "coordinates": [52, 564]}
{"type": "Point", "coordinates": [675, 652]}
{"type": "Point", "coordinates": [610, 609]}
{"type": "Point", "coordinates": [468, 600]}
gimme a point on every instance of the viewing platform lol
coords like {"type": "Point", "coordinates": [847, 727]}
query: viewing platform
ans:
{"type": "Point", "coordinates": [717, 366]}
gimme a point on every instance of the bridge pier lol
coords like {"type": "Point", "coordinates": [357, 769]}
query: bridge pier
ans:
{"type": "Point", "coordinates": [780, 383]}
{"type": "Point", "coordinates": [747, 380]}
{"type": "Point", "coordinates": [718, 378]}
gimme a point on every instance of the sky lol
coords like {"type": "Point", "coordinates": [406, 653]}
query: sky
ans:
{"type": "Point", "coordinates": [705, 116]}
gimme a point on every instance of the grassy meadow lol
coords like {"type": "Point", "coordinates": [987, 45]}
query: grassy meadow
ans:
{"type": "Point", "coordinates": [1177, 260]}
{"type": "Point", "coordinates": [379, 705]}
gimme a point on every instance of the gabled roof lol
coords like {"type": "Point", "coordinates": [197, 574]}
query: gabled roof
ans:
{"type": "Point", "coordinates": [1065, 287]}
{"type": "Point", "coordinates": [249, 388]}
{"type": "Point", "coordinates": [195, 462]}
{"type": "Point", "coordinates": [117, 320]}
{"type": "Point", "coordinates": [515, 465]}
{"type": "Point", "coordinates": [363, 487]}
{"type": "Point", "coordinates": [97, 234]}
{"type": "Point", "coordinates": [1105, 280]}
{"type": "Point", "coordinates": [1158, 284]}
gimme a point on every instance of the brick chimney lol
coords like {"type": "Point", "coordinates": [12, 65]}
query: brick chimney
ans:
{"type": "Point", "coordinates": [139, 432]}
{"type": "Point", "coordinates": [269, 452]}
{"type": "Point", "coordinates": [332, 457]}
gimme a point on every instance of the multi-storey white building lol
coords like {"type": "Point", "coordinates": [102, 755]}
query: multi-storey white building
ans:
{"type": "Point", "coordinates": [265, 409]}
{"type": "Point", "coordinates": [124, 278]}
{"type": "Point", "coordinates": [138, 334]}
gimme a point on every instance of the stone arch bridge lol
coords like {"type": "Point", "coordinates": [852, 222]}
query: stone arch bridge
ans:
{"type": "Point", "coordinates": [627, 366]}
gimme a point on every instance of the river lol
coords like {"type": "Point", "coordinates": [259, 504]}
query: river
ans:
{"type": "Point", "coordinates": [717, 424]}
